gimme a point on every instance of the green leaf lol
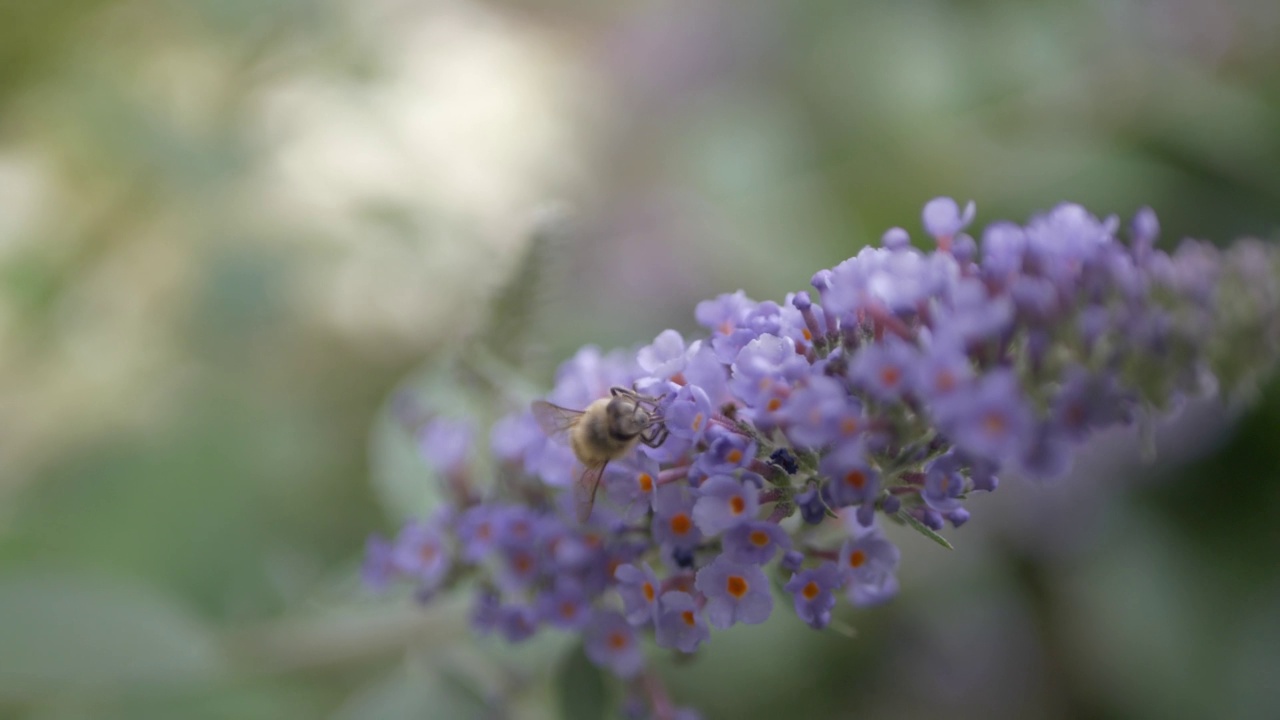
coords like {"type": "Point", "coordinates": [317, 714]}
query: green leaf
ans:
{"type": "Point", "coordinates": [518, 312]}
{"type": "Point", "coordinates": [411, 693]}
{"type": "Point", "coordinates": [63, 632]}
{"type": "Point", "coordinates": [907, 518]}
{"type": "Point", "coordinates": [581, 687]}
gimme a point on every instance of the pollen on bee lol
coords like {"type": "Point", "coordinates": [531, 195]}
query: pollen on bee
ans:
{"type": "Point", "coordinates": [736, 586]}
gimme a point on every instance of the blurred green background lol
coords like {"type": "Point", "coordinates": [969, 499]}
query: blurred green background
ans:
{"type": "Point", "coordinates": [229, 229]}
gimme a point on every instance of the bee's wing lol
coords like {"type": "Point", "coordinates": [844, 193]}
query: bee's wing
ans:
{"type": "Point", "coordinates": [554, 419]}
{"type": "Point", "coordinates": [584, 492]}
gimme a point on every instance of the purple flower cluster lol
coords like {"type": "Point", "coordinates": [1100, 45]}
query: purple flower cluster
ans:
{"type": "Point", "coordinates": [904, 383]}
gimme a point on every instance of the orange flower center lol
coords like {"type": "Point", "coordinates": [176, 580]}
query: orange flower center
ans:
{"type": "Point", "coordinates": [697, 422]}
{"type": "Point", "coordinates": [857, 559]}
{"type": "Point", "coordinates": [759, 538]}
{"type": "Point", "coordinates": [646, 482]}
{"type": "Point", "coordinates": [687, 616]}
{"type": "Point", "coordinates": [734, 456]}
{"type": "Point", "coordinates": [737, 504]}
{"type": "Point", "coordinates": [736, 585]}
{"type": "Point", "coordinates": [617, 641]}
{"type": "Point", "coordinates": [890, 376]}
{"type": "Point", "coordinates": [848, 426]}
{"type": "Point", "coordinates": [810, 591]}
{"type": "Point", "coordinates": [993, 423]}
{"type": "Point", "coordinates": [946, 381]}
{"type": "Point", "coordinates": [855, 479]}
{"type": "Point", "coordinates": [648, 591]}
{"type": "Point", "coordinates": [680, 524]}
{"type": "Point", "coordinates": [774, 404]}
{"type": "Point", "coordinates": [568, 610]}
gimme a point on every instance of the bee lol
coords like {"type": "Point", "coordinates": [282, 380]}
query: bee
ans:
{"type": "Point", "coordinates": [607, 429]}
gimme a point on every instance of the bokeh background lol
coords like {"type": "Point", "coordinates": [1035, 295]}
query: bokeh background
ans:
{"type": "Point", "coordinates": [232, 232]}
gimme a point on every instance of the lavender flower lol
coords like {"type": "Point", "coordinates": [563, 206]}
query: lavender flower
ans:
{"type": "Point", "coordinates": [565, 607]}
{"type": "Point", "coordinates": [517, 623]}
{"type": "Point", "coordinates": [638, 587]}
{"type": "Point", "coordinates": [899, 392]}
{"type": "Point", "coordinates": [673, 523]}
{"type": "Point", "coordinates": [728, 451]}
{"type": "Point", "coordinates": [679, 623]}
{"type": "Point", "coordinates": [723, 502]}
{"type": "Point", "coordinates": [755, 542]}
{"type": "Point", "coordinates": [813, 593]}
{"type": "Point", "coordinates": [689, 413]}
{"type": "Point", "coordinates": [611, 643]}
{"type": "Point", "coordinates": [422, 552]}
{"type": "Point", "coordinates": [989, 418]}
{"type": "Point", "coordinates": [735, 593]}
{"type": "Point", "coordinates": [379, 568]}
{"type": "Point", "coordinates": [868, 564]}
{"type": "Point", "coordinates": [445, 445]}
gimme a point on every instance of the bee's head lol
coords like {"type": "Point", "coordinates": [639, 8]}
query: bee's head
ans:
{"type": "Point", "coordinates": [626, 416]}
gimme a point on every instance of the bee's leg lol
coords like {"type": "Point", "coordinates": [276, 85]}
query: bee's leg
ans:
{"type": "Point", "coordinates": [641, 398]}
{"type": "Point", "coordinates": [655, 435]}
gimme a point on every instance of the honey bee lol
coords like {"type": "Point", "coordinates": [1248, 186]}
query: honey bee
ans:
{"type": "Point", "coordinates": [607, 429]}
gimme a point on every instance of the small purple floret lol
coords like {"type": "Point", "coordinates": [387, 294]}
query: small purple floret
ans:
{"type": "Point", "coordinates": [679, 623]}
{"type": "Point", "coordinates": [735, 593]}
{"type": "Point", "coordinates": [813, 593]}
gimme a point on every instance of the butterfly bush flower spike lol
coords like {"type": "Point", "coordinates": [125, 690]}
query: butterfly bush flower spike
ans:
{"type": "Point", "coordinates": [895, 391]}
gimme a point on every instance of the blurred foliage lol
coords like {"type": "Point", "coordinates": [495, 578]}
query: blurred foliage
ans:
{"type": "Point", "coordinates": [239, 239]}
